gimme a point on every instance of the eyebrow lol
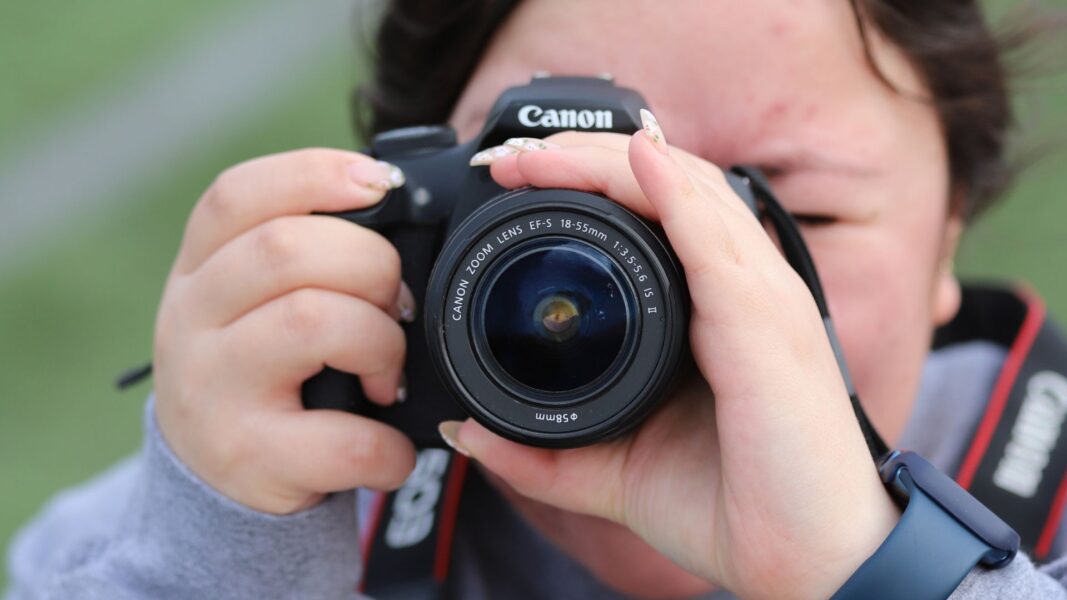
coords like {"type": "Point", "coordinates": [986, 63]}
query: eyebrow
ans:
{"type": "Point", "coordinates": [794, 157]}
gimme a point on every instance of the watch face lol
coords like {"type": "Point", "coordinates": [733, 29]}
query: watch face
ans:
{"type": "Point", "coordinates": [906, 472]}
{"type": "Point", "coordinates": [939, 539]}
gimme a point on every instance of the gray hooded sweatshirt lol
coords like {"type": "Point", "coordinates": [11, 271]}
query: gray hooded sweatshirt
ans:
{"type": "Point", "coordinates": [149, 528]}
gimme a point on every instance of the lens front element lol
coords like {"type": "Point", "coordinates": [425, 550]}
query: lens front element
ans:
{"type": "Point", "coordinates": [556, 315]}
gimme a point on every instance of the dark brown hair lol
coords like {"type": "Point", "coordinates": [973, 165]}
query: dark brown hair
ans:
{"type": "Point", "coordinates": [426, 50]}
{"type": "Point", "coordinates": [960, 62]}
{"type": "Point", "coordinates": [424, 53]}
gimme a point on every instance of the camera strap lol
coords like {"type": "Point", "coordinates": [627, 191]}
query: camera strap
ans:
{"type": "Point", "coordinates": [796, 253]}
{"type": "Point", "coordinates": [1016, 463]}
{"type": "Point", "coordinates": [407, 544]}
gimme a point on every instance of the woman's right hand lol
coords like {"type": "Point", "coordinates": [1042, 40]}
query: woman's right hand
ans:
{"type": "Point", "coordinates": [262, 295]}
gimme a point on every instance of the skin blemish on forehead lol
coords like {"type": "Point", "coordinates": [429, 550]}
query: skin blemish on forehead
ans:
{"type": "Point", "coordinates": [780, 28]}
{"type": "Point", "coordinates": [777, 110]}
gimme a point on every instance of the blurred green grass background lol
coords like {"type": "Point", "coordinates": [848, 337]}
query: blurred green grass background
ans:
{"type": "Point", "coordinates": [53, 54]}
{"type": "Point", "coordinates": [79, 307]}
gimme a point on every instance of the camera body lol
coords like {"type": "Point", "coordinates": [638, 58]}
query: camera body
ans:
{"type": "Point", "coordinates": [555, 318]}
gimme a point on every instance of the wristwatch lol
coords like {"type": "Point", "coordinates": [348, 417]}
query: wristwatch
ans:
{"type": "Point", "coordinates": [943, 534]}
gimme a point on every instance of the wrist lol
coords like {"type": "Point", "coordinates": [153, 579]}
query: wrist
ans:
{"type": "Point", "coordinates": [180, 520]}
{"type": "Point", "coordinates": [239, 481]}
{"type": "Point", "coordinates": [856, 530]}
{"type": "Point", "coordinates": [878, 516]}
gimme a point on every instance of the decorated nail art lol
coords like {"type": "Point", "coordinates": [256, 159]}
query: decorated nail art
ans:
{"type": "Point", "coordinates": [381, 176]}
{"type": "Point", "coordinates": [402, 388]}
{"type": "Point", "coordinates": [653, 130]}
{"type": "Point", "coordinates": [407, 313]}
{"type": "Point", "coordinates": [491, 155]}
{"type": "Point", "coordinates": [529, 144]}
{"type": "Point", "coordinates": [405, 304]}
{"type": "Point", "coordinates": [449, 431]}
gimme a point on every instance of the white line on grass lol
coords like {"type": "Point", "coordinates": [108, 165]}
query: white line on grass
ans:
{"type": "Point", "coordinates": [171, 108]}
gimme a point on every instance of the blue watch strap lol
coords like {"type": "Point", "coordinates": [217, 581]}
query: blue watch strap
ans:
{"type": "Point", "coordinates": [943, 534]}
{"type": "Point", "coordinates": [926, 556]}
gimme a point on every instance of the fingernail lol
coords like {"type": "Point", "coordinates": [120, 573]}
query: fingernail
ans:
{"type": "Point", "coordinates": [402, 389]}
{"type": "Point", "coordinates": [491, 155]}
{"type": "Point", "coordinates": [405, 304]}
{"type": "Point", "coordinates": [450, 434]}
{"type": "Point", "coordinates": [653, 130]}
{"type": "Point", "coordinates": [378, 175]}
{"type": "Point", "coordinates": [529, 144]}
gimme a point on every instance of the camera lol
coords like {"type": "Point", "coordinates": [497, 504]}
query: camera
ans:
{"type": "Point", "coordinates": [554, 317]}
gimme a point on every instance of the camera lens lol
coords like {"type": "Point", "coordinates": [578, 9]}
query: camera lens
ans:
{"type": "Point", "coordinates": [556, 315]}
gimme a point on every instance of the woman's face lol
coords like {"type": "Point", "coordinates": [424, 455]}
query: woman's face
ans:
{"type": "Point", "coordinates": [785, 86]}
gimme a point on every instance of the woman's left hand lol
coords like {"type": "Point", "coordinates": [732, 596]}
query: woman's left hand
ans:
{"type": "Point", "coordinates": [764, 487]}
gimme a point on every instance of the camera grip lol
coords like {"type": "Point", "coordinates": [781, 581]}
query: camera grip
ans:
{"type": "Point", "coordinates": [335, 390]}
{"type": "Point", "coordinates": [428, 401]}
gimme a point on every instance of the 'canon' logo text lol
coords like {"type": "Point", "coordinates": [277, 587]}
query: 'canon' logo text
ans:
{"type": "Point", "coordinates": [532, 115]}
{"type": "Point", "coordinates": [413, 508]}
{"type": "Point", "coordinates": [1034, 435]}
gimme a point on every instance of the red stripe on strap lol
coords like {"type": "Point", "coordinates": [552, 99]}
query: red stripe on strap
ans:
{"type": "Point", "coordinates": [369, 533]}
{"type": "Point", "coordinates": [1035, 316]}
{"type": "Point", "coordinates": [449, 511]}
{"type": "Point", "coordinates": [1052, 523]}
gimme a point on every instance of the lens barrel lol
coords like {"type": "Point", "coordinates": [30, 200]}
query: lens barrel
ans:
{"type": "Point", "coordinates": [557, 318]}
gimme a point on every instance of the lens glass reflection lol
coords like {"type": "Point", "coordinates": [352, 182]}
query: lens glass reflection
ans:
{"type": "Point", "coordinates": [556, 314]}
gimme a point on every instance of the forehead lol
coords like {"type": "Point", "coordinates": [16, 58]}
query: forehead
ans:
{"type": "Point", "coordinates": [750, 70]}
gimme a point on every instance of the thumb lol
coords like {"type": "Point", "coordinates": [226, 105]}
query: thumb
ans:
{"type": "Point", "coordinates": [582, 480]}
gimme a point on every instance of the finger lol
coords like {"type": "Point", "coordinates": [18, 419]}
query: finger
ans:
{"type": "Point", "coordinates": [613, 141]}
{"type": "Point", "coordinates": [701, 218]}
{"type": "Point", "coordinates": [598, 163]}
{"type": "Point", "coordinates": [293, 337]}
{"type": "Point", "coordinates": [325, 451]}
{"type": "Point", "coordinates": [575, 480]}
{"type": "Point", "coordinates": [712, 183]}
{"type": "Point", "coordinates": [289, 253]}
{"type": "Point", "coordinates": [587, 168]}
{"type": "Point", "coordinates": [291, 183]}
{"type": "Point", "coordinates": [708, 225]}
{"type": "Point", "coordinates": [506, 170]}
{"type": "Point", "coordinates": [691, 221]}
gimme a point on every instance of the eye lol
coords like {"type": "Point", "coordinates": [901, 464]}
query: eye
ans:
{"type": "Point", "coordinates": [805, 220]}
{"type": "Point", "coordinates": [771, 172]}
{"type": "Point", "coordinates": [781, 178]}
{"type": "Point", "coordinates": [814, 220]}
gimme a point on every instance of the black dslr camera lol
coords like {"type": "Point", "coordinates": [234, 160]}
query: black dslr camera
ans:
{"type": "Point", "coordinates": [554, 317]}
